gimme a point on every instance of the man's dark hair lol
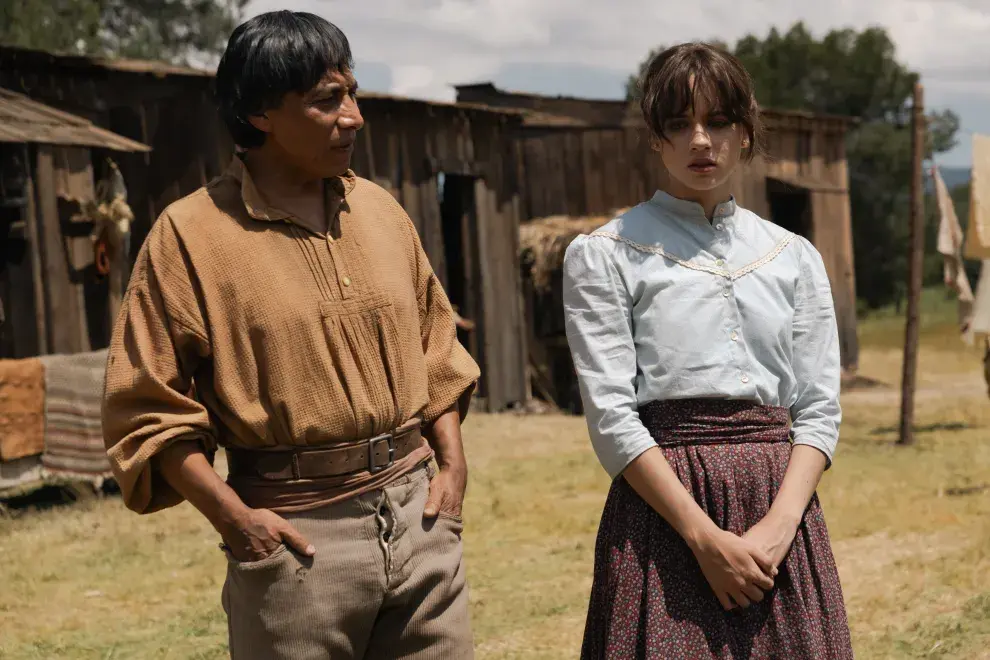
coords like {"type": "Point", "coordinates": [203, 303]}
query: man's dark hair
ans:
{"type": "Point", "coordinates": [677, 76]}
{"type": "Point", "coordinates": [270, 56]}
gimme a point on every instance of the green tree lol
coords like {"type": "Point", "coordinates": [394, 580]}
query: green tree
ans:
{"type": "Point", "coordinates": [178, 31]}
{"type": "Point", "coordinates": [854, 74]}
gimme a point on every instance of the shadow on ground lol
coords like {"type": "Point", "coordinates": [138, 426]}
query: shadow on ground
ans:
{"type": "Point", "coordinates": [53, 497]}
{"type": "Point", "coordinates": [928, 428]}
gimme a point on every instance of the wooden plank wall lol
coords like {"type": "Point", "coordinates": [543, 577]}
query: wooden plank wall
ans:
{"type": "Point", "coordinates": [48, 265]}
{"type": "Point", "coordinates": [497, 207]}
{"type": "Point", "coordinates": [812, 152]}
{"type": "Point", "coordinates": [175, 115]}
{"type": "Point", "coordinates": [590, 171]}
{"type": "Point", "coordinates": [64, 300]}
{"type": "Point", "coordinates": [25, 330]}
{"type": "Point", "coordinates": [834, 242]}
{"type": "Point", "coordinates": [583, 172]}
{"type": "Point", "coordinates": [404, 147]}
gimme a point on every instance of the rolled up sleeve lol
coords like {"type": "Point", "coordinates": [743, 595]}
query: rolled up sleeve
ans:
{"type": "Point", "coordinates": [158, 343]}
{"type": "Point", "coordinates": [815, 411]}
{"type": "Point", "coordinates": [598, 322]}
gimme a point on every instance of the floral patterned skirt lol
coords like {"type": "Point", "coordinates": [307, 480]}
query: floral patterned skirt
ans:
{"type": "Point", "coordinates": [650, 599]}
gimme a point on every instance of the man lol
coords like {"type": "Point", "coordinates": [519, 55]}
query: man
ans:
{"type": "Point", "coordinates": [298, 302]}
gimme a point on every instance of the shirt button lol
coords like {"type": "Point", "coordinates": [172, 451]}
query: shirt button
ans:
{"type": "Point", "coordinates": [745, 379]}
{"type": "Point", "coordinates": [719, 262]}
{"type": "Point", "coordinates": [734, 336]}
{"type": "Point", "coordinates": [346, 281]}
{"type": "Point", "coordinates": [720, 226]}
{"type": "Point", "coordinates": [726, 293]}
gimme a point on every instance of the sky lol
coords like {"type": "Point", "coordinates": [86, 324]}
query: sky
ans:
{"type": "Point", "coordinates": [588, 48]}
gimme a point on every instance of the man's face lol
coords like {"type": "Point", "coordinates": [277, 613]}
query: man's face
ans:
{"type": "Point", "coordinates": [315, 131]}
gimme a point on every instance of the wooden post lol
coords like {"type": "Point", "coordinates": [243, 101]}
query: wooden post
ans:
{"type": "Point", "coordinates": [34, 250]}
{"type": "Point", "coordinates": [488, 320]}
{"type": "Point", "coordinates": [915, 263]}
{"type": "Point", "coordinates": [64, 317]}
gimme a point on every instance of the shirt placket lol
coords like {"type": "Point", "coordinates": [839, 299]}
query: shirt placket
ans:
{"type": "Point", "coordinates": [339, 270]}
{"type": "Point", "coordinates": [337, 248]}
{"type": "Point", "coordinates": [733, 329]}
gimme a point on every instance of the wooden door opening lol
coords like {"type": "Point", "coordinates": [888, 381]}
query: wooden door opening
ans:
{"type": "Point", "coordinates": [19, 333]}
{"type": "Point", "coordinates": [790, 207]}
{"type": "Point", "coordinates": [458, 218]}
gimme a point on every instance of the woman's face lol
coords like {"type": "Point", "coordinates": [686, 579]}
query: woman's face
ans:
{"type": "Point", "coordinates": [702, 149]}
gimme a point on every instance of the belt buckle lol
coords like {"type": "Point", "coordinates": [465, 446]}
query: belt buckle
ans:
{"type": "Point", "coordinates": [372, 443]}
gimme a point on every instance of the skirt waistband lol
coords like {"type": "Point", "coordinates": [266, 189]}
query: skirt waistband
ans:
{"type": "Point", "coordinates": [678, 422]}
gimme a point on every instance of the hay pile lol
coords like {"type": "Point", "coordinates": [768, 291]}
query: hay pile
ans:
{"type": "Point", "coordinates": [542, 243]}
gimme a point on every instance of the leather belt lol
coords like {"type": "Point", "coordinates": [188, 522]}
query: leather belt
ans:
{"type": "Point", "coordinates": [372, 455]}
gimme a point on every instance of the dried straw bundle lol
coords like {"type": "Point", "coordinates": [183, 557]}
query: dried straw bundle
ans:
{"type": "Point", "coordinates": [543, 242]}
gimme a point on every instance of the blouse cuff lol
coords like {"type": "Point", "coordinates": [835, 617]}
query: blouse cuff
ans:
{"type": "Point", "coordinates": [812, 440]}
{"type": "Point", "coordinates": [615, 457]}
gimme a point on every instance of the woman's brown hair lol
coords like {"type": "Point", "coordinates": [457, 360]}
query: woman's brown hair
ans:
{"type": "Point", "coordinates": [677, 76]}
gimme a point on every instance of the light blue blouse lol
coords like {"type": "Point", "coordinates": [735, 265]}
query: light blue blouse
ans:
{"type": "Point", "coordinates": [662, 304]}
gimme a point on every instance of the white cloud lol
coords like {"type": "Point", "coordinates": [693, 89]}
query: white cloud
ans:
{"type": "Point", "coordinates": [407, 78]}
{"type": "Point", "coordinates": [469, 38]}
{"type": "Point", "coordinates": [431, 44]}
{"type": "Point", "coordinates": [504, 24]}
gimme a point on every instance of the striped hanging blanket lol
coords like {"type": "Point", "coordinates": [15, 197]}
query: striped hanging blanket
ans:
{"type": "Point", "coordinates": [73, 428]}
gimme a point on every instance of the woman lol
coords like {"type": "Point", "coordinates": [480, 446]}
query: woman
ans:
{"type": "Point", "coordinates": [706, 348]}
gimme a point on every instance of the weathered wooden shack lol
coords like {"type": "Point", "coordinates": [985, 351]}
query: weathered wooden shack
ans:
{"type": "Point", "coordinates": [450, 165]}
{"type": "Point", "coordinates": [584, 158]}
{"type": "Point", "coordinates": [54, 291]}
{"type": "Point", "coordinates": [53, 298]}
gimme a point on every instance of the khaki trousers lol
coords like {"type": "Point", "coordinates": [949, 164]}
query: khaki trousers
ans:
{"type": "Point", "coordinates": [384, 584]}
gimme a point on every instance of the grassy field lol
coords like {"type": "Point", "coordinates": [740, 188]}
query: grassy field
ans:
{"type": "Point", "coordinates": [910, 526]}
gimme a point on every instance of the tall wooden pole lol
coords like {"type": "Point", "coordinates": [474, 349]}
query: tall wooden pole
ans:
{"type": "Point", "coordinates": [915, 263]}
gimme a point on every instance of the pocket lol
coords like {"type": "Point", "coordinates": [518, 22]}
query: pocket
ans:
{"type": "Point", "coordinates": [270, 561]}
{"type": "Point", "coordinates": [451, 517]}
{"type": "Point", "coordinates": [363, 341]}
{"type": "Point", "coordinates": [450, 523]}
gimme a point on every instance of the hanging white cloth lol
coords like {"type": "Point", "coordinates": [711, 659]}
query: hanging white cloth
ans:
{"type": "Point", "coordinates": [950, 242]}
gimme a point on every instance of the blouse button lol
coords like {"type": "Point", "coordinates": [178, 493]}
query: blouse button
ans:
{"type": "Point", "coordinates": [346, 281]}
{"type": "Point", "coordinates": [720, 226]}
{"type": "Point", "coordinates": [745, 379]}
{"type": "Point", "coordinates": [719, 262]}
{"type": "Point", "coordinates": [734, 336]}
{"type": "Point", "coordinates": [726, 293]}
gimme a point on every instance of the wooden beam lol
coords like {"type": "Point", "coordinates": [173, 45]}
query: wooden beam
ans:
{"type": "Point", "coordinates": [915, 264]}
{"type": "Point", "coordinates": [34, 252]}
{"type": "Point", "coordinates": [462, 190]}
{"type": "Point", "coordinates": [65, 326]}
{"type": "Point", "coordinates": [488, 323]}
